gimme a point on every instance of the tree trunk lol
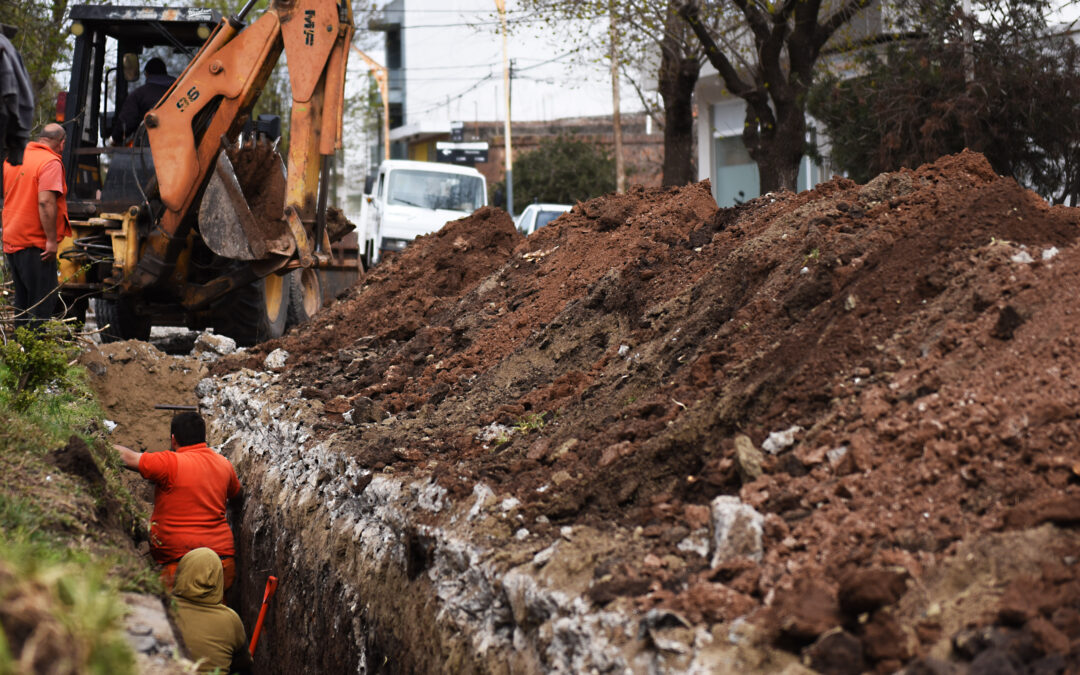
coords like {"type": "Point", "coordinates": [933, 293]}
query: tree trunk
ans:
{"type": "Point", "coordinates": [677, 91]}
{"type": "Point", "coordinates": [778, 151]}
{"type": "Point", "coordinates": [677, 77]}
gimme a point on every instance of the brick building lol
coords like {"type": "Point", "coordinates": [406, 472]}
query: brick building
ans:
{"type": "Point", "coordinates": [643, 142]}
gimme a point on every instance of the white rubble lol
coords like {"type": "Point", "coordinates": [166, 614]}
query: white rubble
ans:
{"type": "Point", "coordinates": [211, 346]}
{"type": "Point", "coordinates": [738, 530]}
{"type": "Point", "coordinates": [276, 359]}
{"type": "Point", "coordinates": [779, 440]}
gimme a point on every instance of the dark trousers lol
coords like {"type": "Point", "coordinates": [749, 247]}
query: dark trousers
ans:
{"type": "Point", "coordinates": [35, 286]}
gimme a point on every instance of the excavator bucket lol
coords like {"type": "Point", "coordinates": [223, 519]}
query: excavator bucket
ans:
{"type": "Point", "coordinates": [241, 216]}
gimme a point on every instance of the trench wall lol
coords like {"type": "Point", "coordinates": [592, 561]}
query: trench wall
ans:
{"type": "Point", "coordinates": [365, 587]}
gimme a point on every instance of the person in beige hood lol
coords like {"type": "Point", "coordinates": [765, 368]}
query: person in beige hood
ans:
{"type": "Point", "coordinates": [212, 633]}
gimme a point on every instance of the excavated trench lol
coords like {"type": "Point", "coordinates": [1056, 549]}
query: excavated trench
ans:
{"type": "Point", "coordinates": [372, 575]}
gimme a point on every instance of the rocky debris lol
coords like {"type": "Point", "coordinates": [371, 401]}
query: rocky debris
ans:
{"type": "Point", "coordinates": [748, 459]}
{"type": "Point", "coordinates": [737, 530]}
{"type": "Point", "coordinates": [1060, 509]}
{"type": "Point", "coordinates": [778, 441]}
{"type": "Point", "coordinates": [174, 340]}
{"type": "Point", "coordinates": [276, 359]}
{"type": "Point", "coordinates": [836, 652]}
{"type": "Point", "coordinates": [210, 346]}
{"type": "Point", "coordinates": [868, 589]}
{"type": "Point", "coordinates": [805, 611]}
{"type": "Point", "coordinates": [152, 638]}
{"type": "Point", "coordinates": [365, 411]}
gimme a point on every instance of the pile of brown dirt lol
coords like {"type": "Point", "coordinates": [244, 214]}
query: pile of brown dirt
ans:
{"type": "Point", "coordinates": [645, 353]}
{"type": "Point", "coordinates": [130, 378]}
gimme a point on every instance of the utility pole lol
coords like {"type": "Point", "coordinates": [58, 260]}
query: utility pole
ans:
{"type": "Point", "coordinates": [383, 79]}
{"type": "Point", "coordinates": [616, 118]}
{"type": "Point", "coordinates": [969, 39]}
{"type": "Point", "coordinates": [507, 71]}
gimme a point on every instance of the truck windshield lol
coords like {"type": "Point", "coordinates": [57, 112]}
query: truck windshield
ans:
{"type": "Point", "coordinates": [435, 190]}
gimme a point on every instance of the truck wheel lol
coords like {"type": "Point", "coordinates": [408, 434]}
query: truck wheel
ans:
{"type": "Point", "coordinates": [256, 312]}
{"type": "Point", "coordinates": [121, 320]}
{"type": "Point", "coordinates": [305, 295]}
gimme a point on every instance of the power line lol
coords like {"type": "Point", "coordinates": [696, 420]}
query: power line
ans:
{"type": "Point", "coordinates": [551, 60]}
{"type": "Point", "coordinates": [455, 97]}
{"type": "Point", "coordinates": [471, 24]}
{"type": "Point", "coordinates": [442, 79]}
{"type": "Point", "coordinates": [490, 65]}
{"type": "Point", "coordinates": [450, 11]}
{"type": "Point", "coordinates": [489, 76]}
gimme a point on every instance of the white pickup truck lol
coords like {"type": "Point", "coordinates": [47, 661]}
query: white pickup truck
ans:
{"type": "Point", "coordinates": [411, 198]}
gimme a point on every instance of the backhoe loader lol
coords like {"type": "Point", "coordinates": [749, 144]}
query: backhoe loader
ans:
{"type": "Point", "coordinates": [195, 220]}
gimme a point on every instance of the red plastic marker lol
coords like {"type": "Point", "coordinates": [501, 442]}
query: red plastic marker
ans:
{"type": "Point", "coordinates": [271, 586]}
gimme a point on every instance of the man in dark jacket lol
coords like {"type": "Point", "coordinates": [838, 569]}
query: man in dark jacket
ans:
{"type": "Point", "coordinates": [16, 101]}
{"type": "Point", "coordinates": [140, 101]}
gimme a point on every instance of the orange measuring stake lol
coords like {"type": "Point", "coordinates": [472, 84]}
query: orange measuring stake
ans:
{"type": "Point", "coordinates": [271, 586]}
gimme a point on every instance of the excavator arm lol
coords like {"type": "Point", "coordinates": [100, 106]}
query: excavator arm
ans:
{"type": "Point", "coordinates": [202, 115]}
{"type": "Point", "coordinates": [382, 78]}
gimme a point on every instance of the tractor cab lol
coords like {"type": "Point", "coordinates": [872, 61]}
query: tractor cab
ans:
{"type": "Point", "coordinates": [112, 45]}
{"type": "Point", "coordinates": [202, 239]}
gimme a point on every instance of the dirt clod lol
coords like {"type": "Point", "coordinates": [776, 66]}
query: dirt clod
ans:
{"type": "Point", "coordinates": [75, 458]}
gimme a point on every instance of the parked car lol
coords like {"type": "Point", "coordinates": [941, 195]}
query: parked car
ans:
{"type": "Point", "coordinates": [536, 216]}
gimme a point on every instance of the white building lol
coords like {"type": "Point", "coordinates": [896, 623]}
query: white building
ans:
{"type": "Point", "coordinates": [445, 63]}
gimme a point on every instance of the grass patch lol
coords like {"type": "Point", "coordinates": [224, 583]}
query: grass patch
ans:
{"type": "Point", "coordinates": [60, 617]}
{"type": "Point", "coordinates": [67, 540]}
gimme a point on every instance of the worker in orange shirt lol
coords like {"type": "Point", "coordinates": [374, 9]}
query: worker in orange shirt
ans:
{"type": "Point", "coordinates": [35, 221]}
{"type": "Point", "coordinates": [193, 485]}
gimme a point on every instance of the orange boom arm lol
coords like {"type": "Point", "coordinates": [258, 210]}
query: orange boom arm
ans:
{"type": "Point", "coordinates": [211, 100]}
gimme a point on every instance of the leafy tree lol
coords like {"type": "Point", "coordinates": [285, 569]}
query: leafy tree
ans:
{"type": "Point", "coordinates": [561, 170]}
{"type": "Point", "coordinates": [1011, 94]}
{"type": "Point", "coordinates": [774, 76]}
{"type": "Point", "coordinates": [42, 41]}
{"type": "Point", "coordinates": [646, 29]}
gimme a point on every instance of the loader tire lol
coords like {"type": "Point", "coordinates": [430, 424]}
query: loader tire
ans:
{"type": "Point", "coordinates": [120, 321]}
{"type": "Point", "coordinates": [255, 313]}
{"type": "Point", "coordinates": [305, 295]}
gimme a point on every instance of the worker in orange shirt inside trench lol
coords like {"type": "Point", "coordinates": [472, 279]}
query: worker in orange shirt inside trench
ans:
{"type": "Point", "coordinates": [192, 486]}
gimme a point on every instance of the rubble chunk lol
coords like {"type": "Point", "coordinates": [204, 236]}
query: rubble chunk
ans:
{"type": "Point", "coordinates": [737, 530]}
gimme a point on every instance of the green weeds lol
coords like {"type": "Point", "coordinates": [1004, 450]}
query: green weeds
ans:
{"type": "Point", "coordinates": [33, 361]}
{"type": "Point", "coordinates": [76, 612]}
{"type": "Point", "coordinates": [530, 423]}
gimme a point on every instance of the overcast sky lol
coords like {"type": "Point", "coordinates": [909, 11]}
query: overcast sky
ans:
{"type": "Point", "coordinates": [454, 69]}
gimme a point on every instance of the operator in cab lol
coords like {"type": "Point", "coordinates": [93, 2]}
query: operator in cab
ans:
{"type": "Point", "coordinates": [140, 101]}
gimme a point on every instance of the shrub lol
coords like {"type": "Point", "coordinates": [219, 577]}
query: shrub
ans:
{"type": "Point", "coordinates": [33, 360]}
